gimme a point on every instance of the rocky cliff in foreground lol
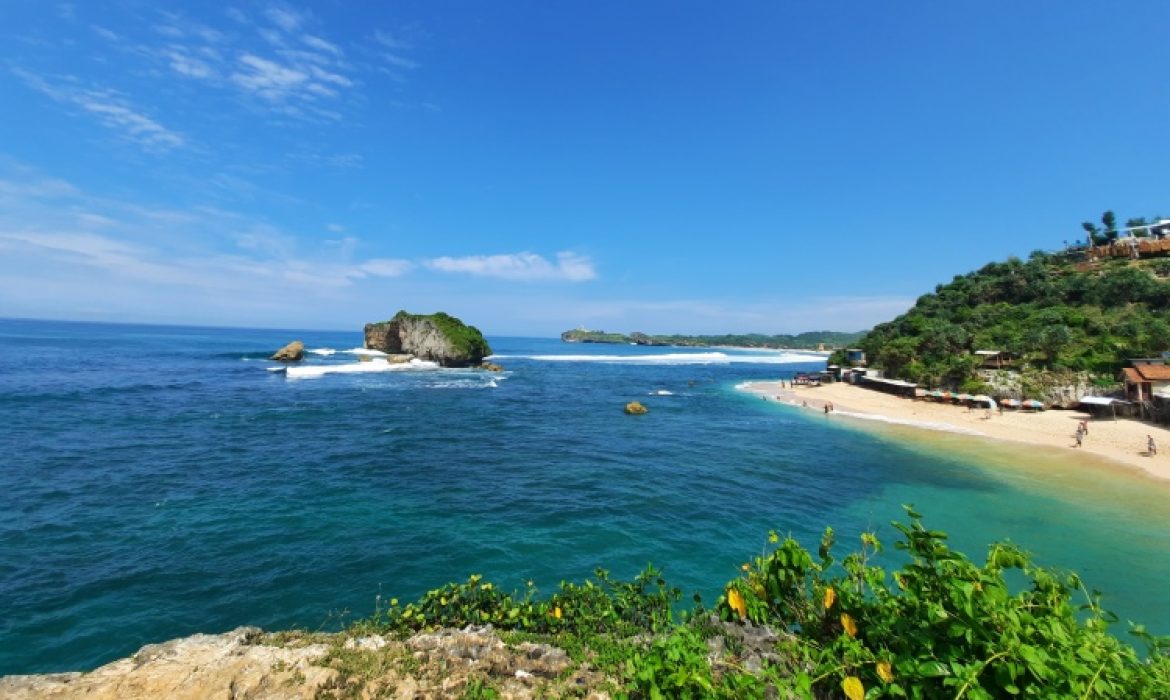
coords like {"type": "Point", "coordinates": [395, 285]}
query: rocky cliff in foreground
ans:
{"type": "Point", "coordinates": [247, 663]}
{"type": "Point", "coordinates": [436, 337]}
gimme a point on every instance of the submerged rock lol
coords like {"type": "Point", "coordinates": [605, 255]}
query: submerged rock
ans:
{"type": "Point", "coordinates": [635, 408]}
{"type": "Point", "coordinates": [436, 337]}
{"type": "Point", "coordinates": [293, 352]}
{"type": "Point", "coordinates": [491, 367]}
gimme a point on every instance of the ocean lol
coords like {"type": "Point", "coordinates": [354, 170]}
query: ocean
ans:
{"type": "Point", "coordinates": [161, 481]}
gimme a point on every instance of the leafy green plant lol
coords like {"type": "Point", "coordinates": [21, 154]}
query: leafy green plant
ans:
{"type": "Point", "coordinates": [937, 626]}
{"type": "Point", "coordinates": [942, 626]}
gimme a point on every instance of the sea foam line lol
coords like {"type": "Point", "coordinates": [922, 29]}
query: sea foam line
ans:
{"type": "Point", "coordinates": [375, 365]}
{"type": "Point", "coordinates": [326, 352]}
{"type": "Point", "coordinates": [676, 358]}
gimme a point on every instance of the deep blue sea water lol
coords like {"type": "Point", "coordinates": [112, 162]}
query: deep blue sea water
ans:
{"type": "Point", "coordinates": [159, 481]}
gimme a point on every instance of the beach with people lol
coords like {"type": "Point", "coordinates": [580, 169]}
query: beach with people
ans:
{"type": "Point", "coordinates": [1123, 441]}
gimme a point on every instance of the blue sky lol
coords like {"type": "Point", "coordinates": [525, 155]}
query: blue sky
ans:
{"type": "Point", "coordinates": [530, 167]}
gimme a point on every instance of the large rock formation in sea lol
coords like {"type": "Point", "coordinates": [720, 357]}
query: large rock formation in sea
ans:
{"type": "Point", "coordinates": [436, 337]}
{"type": "Point", "coordinates": [293, 352]}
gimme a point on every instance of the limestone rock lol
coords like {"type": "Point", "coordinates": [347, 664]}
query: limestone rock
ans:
{"type": "Point", "coordinates": [436, 337]}
{"type": "Point", "coordinates": [491, 367]}
{"type": "Point", "coordinates": [635, 408]}
{"type": "Point", "coordinates": [248, 664]}
{"type": "Point", "coordinates": [237, 664]}
{"type": "Point", "coordinates": [293, 352]}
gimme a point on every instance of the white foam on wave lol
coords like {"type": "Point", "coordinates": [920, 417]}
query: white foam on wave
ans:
{"type": "Point", "coordinates": [373, 366]}
{"type": "Point", "coordinates": [276, 369]}
{"type": "Point", "coordinates": [463, 384]}
{"type": "Point", "coordinates": [662, 392]}
{"type": "Point", "coordinates": [326, 352]}
{"type": "Point", "coordinates": [367, 352]}
{"type": "Point", "coordinates": [675, 358]}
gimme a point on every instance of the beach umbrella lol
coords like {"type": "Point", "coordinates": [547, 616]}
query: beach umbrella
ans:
{"type": "Point", "coordinates": [1033, 403]}
{"type": "Point", "coordinates": [963, 397]}
{"type": "Point", "coordinates": [982, 398]}
{"type": "Point", "coordinates": [1010, 402]}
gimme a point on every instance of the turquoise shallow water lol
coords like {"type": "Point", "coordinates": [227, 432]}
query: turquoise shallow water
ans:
{"type": "Point", "coordinates": [156, 482]}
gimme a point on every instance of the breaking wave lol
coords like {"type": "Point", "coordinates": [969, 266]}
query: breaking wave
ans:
{"type": "Point", "coordinates": [677, 358]}
{"type": "Point", "coordinates": [375, 365]}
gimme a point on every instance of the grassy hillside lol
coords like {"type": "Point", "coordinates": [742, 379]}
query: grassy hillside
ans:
{"type": "Point", "coordinates": [1050, 312]}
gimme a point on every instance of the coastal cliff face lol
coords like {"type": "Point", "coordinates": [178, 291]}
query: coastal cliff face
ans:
{"type": "Point", "coordinates": [247, 663]}
{"type": "Point", "coordinates": [435, 337]}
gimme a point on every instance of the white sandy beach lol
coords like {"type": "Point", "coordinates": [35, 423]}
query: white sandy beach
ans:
{"type": "Point", "coordinates": [1122, 441]}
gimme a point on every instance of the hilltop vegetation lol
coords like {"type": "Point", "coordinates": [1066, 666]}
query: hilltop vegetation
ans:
{"type": "Point", "coordinates": [802, 341]}
{"type": "Point", "coordinates": [1050, 312]}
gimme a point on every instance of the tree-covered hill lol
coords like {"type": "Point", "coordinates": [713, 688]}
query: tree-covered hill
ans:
{"type": "Point", "coordinates": [1049, 312]}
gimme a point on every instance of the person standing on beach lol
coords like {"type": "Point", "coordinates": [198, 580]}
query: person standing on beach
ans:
{"type": "Point", "coordinates": [1080, 435]}
{"type": "Point", "coordinates": [1151, 446]}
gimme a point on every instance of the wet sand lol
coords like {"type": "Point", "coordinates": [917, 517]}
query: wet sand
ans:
{"type": "Point", "coordinates": [1122, 441]}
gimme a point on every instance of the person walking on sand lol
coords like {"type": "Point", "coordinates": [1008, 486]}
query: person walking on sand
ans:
{"type": "Point", "coordinates": [1151, 446]}
{"type": "Point", "coordinates": [1080, 435]}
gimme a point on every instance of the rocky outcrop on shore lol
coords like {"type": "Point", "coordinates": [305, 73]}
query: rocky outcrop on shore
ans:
{"type": "Point", "coordinates": [1055, 388]}
{"type": "Point", "coordinates": [436, 337]}
{"type": "Point", "coordinates": [293, 352]}
{"type": "Point", "coordinates": [247, 663]}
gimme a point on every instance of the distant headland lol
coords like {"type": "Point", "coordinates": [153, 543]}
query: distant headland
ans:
{"type": "Point", "coordinates": [813, 340]}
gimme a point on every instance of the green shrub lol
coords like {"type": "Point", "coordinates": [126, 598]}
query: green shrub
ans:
{"type": "Point", "coordinates": [940, 626]}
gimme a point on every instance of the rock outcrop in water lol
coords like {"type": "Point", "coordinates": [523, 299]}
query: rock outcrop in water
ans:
{"type": "Point", "coordinates": [635, 408]}
{"type": "Point", "coordinates": [293, 352]}
{"type": "Point", "coordinates": [247, 663]}
{"type": "Point", "coordinates": [435, 337]}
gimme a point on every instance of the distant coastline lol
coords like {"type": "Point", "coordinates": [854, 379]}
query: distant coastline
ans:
{"type": "Point", "coordinates": [821, 341]}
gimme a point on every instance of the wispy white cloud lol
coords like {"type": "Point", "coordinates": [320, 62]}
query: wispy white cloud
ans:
{"type": "Point", "coordinates": [107, 34]}
{"type": "Point", "coordinates": [386, 267]}
{"type": "Point", "coordinates": [288, 19]}
{"type": "Point", "coordinates": [110, 109]}
{"type": "Point", "coordinates": [268, 79]}
{"type": "Point", "coordinates": [54, 227]}
{"type": "Point", "coordinates": [523, 266]}
{"type": "Point", "coordinates": [316, 42]}
{"type": "Point", "coordinates": [393, 47]}
{"type": "Point", "coordinates": [190, 66]}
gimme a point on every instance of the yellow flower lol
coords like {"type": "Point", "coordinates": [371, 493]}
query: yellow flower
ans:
{"type": "Point", "coordinates": [557, 612]}
{"type": "Point", "coordinates": [773, 537]}
{"type": "Point", "coordinates": [885, 672]}
{"type": "Point", "coordinates": [746, 567]}
{"type": "Point", "coordinates": [736, 602]}
{"type": "Point", "coordinates": [849, 625]}
{"type": "Point", "coordinates": [853, 688]}
{"type": "Point", "coordinates": [830, 598]}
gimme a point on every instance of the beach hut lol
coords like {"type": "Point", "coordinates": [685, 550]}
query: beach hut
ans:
{"type": "Point", "coordinates": [1099, 404]}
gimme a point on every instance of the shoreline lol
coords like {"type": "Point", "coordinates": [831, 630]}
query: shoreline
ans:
{"type": "Point", "coordinates": [1121, 442]}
